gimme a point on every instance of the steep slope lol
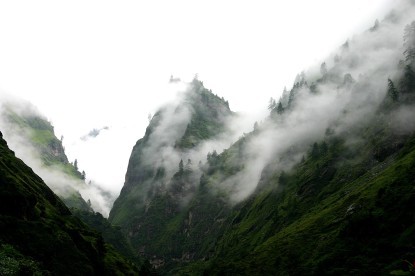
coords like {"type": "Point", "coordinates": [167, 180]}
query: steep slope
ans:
{"type": "Point", "coordinates": [163, 174]}
{"type": "Point", "coordinates": [38, 234]}
{"type": "Point", "coordinates": [34, 137]}
{"type": "Point", "coordinates": [343, 205]}
{"type": "Point", "coordinates": [340, 211]}
{"type": "Point", "coordinates": [322, 186]}
{"type": "Point", "coordinates": [35, 140]}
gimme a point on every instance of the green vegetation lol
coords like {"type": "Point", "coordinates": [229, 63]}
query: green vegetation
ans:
{"type": "Point", "coordinates": [344, 209]}
{"type": "Point", "coordinates": [38, 233]}
{"type": "Point", "coordinates": [38, 131]}
{"type": "Point", "coordinates": [209, 111]}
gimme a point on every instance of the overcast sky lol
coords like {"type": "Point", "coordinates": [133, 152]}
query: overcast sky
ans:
{"type": "Point", "coordinates": [90, 64]}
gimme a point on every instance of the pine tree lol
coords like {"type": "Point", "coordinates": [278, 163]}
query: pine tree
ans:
{"type": "Point", "coordinates": [324, 148]}
{"type": "Point", "coordinates": [392, 91]}
{"type": "Point", "coordinates": [323, 69]}
{"type": "Point", "coordinates": [188, 165]}
{"type": "Point", "coordinates": [181, 166]}
{"type": "Point", "coordinates": [271, 104]}
{"type": "Point", "coordinates": [375, 26]}
{"type": "Point", "coordinates": [315, 151]}
{"type": "Point", "coordinates": [291, 98]}
{"type": "Point", "coordinates": [280, 109]}
{"type": "Point", "coordinates": [407, 83]}
{"type": "Point", "coordinates": [255, 126]}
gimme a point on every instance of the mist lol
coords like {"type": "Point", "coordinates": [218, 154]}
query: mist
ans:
{"type": "Point", "coordinates": [354, 86]}
{"type": "Point", "coordinates": [60, 182]}
{"type": "Point", "coordinates": [340, 97]}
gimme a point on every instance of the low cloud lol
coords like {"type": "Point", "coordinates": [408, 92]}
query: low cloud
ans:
{"type": "Point", "coordinates": [354, 87]}
{"type": "Point", "coordinates": [60, 182]}
{"type": "Point", "coordinates": [94, 133]}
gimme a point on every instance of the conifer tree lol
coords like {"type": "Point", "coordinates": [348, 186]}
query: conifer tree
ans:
{"type": "Point", "coordinates": [315, 151]}
{"type": "Point", "coordinates": [290, 98]}
{"type": "Point", "coordinates": [280, 109]}
{"type": "Point", "coordinates": [323, 69]}
{"type": "Point", "coordinates": [408, 80]}
{"type": "Point", "coordinates": [392, 91]}
{"type": "Point", "coordinates": [271, 104]}
{"type": "Point", "coordinates": [181, 166]}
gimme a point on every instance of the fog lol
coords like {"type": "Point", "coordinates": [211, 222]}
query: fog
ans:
{"type": "Point", "coordinates": [353, 88]}
{"type": "Point", "coordinates": [63, 184]}
{"type": "Point", "coordinates": [346, 95]}
{"type": "Point", "coordinates": [370, 59]}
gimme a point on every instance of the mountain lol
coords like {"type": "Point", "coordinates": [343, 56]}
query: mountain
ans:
{"type": "Point", "coordinates": [34, 139]}
{"type": "Point", "coordinates": [163, 172]}
{"type": "Point", "coordinates": [38, 233]}
{"type": "Point", "coordinates": [323, 186]}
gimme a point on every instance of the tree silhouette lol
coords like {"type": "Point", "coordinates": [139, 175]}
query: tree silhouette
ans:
{"type": "Point", "coordinates": [392, 91]}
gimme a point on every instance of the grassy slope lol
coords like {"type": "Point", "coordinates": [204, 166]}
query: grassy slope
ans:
{"type": "Point", "coordinates": [40, 133]}
{"type": "Point", "coordinates": [365, 226]}
{"type": "Point", "coordinates": [38, 232]}
{"type": "Point", "coordinates": [346, 209]}
{"type": "Point", "coordinates": [342, 211]}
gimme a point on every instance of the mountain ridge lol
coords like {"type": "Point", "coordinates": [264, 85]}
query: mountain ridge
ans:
{"type": "Point", "coordinates": [38, 233]}
{"type": "Point", "coordinates": [317, 169]}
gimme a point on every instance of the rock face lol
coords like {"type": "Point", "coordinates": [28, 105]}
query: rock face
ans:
{"type": "Point", "coordinates": [38, 233]}
{"type": "Point", "coordinates": [163, 174]}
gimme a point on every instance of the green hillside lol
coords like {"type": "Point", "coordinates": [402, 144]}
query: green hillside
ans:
{"type": "Point", "coordinates": [323, 186]}
{"type": "Point", "coordinates": [152, 206]}
{"type": "Point", "coordinates": [39, 235]}
{"type": "Point", "coordinates": [39, 133]}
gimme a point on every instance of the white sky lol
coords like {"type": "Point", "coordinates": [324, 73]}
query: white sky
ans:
{"type": "Point", "coordinates": [89, 64]}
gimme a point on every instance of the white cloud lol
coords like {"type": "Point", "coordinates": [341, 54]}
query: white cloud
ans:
{"type": "Point", "coordinates": [89, 64]}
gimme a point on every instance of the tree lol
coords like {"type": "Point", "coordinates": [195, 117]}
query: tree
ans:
{"type": "Point", "coordinates": [284, 92]}
{"type": "Point", "coordinates": [272, 104]}
{"type": "Point", "coordinates": [283, 178]}
{"type": "Point", "coordinates": [345, 46]}
{"type": "Point", "coordinates": [408, 80]}
{"type": "Point", "coordinates": [181, 166]}
{"type": "Point", "coordinates": [323, 69]}
{"type": "Point", "coordinates": [188, 165]}
{"type": "Point", "coordinates": [290, 98]}
{"type": "Point", "coordinates": [83, 175]}
{"type": "Point", "coordinates": [348, 79]}
{"type": "Point", "coordinates": [315, 151]}
{"type": "Point", "coordinates": [280, 109]}
{"type": "Point", "coordinates": [211, 157]}
{"type": "Point", "coordinates": [375, 26]}
{"type": "Point", "coordinates": [392, 91]}
{"type": "Point", "coordinates": [75, 164]}
{"type": "Point", "coordinates": [324, 147]}
{"type": "Point", "coordinates": [255, 126]}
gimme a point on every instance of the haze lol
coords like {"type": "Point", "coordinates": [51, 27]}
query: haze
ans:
{"type": "Point", "coordinates": [105, 66]}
